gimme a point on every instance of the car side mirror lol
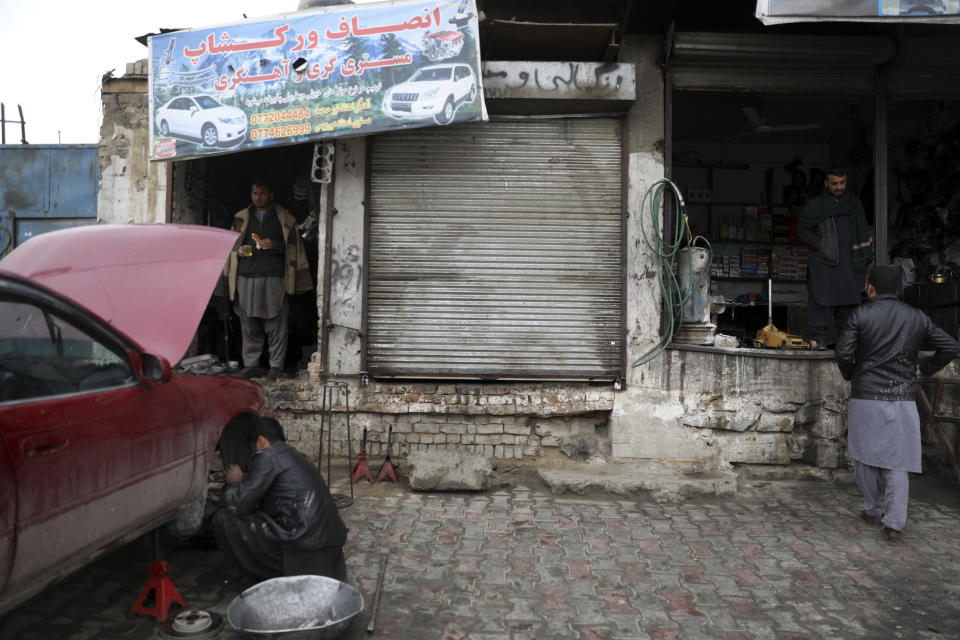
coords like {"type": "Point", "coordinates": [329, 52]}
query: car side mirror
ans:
{"type": "Point", "coordinates": [193, 110]}
{"type": "Point", "coordinates": [155, 368]}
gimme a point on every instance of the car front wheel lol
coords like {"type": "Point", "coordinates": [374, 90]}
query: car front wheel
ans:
{"type": "Point", "coordinates": [209, 135]}
{"type": "Point", "coordinates": [164, 128]}
{"type": "Point", "coordinates": [446, 115]}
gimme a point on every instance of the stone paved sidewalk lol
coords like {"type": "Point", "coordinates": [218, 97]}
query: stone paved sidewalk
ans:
{"type": "Point", "coordinates": [782, 560]}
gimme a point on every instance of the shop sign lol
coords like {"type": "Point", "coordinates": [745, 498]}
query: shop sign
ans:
{"type": "Point", "coordinates": [936, 11]}
{"type": "Point", "coordinates": [310, 75]}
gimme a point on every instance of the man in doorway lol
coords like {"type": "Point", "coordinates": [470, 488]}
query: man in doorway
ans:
{"type": "Point", "coordinates": [267, 265]}
{"type": "Point", "coordinates": [878, 350]}
{"type": "Point", "coordinates": [279, 519]}
{"type": "Point", "coordinates": [834, 227]}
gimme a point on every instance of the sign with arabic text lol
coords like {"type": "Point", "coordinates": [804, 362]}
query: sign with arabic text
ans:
{"type": "Point", "coordinates": [779, 11]}
{"type": "Point", "coordinates": [310, 75]}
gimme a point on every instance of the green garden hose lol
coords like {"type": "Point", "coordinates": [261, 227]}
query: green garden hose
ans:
{"type": "Point", "coordinates": [666, 256]}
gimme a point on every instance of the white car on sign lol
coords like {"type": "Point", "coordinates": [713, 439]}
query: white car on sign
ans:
{"type": "Point", "coordinates": [436, 91]}
{"type": "Point", "coordinates": [201, 118]}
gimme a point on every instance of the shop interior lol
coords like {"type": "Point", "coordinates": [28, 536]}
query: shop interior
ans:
{"type": "Point", "coordinates": [220, 186]}
{"type": "Point", "coordinates": [747, 162]}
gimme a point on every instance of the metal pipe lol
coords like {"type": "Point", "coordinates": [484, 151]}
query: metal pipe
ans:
{"type": "Point", "coordinates": [880, 215]}
{"type": "Point", "coordinates": [23, 126]}
{"type": "Point", "coordinates": [329, 212]}
{"type": "Point", "coordinates": [376, 596]}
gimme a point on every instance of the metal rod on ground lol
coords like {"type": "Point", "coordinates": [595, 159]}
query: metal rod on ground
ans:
{"type": "Point", "coordinates": [376, 595]}
{"type": "Point", "coordinates": [323, 405]}
{"type": "Point", "coordinates": [346, 391]}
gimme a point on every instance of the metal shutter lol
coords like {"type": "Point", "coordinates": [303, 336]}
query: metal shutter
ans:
{"type": "Point", "coordinates": [495, 250]}
{"type": "Point", "coordinates": [778, 63]}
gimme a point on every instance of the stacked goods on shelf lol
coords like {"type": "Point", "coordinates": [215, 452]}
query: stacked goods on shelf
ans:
{"type": "Point", "coordinates": [790, 263]}
{"type": "Point", "coordinates": [748, 262]}
{"type": "Point", "coordinates": [753, 262]}
{"type": "Point", "coordinates": [785, 224]}
{"type": "Point", "coordinates": [751, 224]}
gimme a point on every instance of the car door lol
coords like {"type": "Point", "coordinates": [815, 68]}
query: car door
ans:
{"type": "Point", "coordinates": [179, 110]}
{"type": "Point", "coordinates": [96, 453]}
{"type": "Point", "coordinates": [8, 515]}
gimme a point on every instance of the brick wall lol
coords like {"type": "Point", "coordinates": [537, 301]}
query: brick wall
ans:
{"type": "Point", "coordinates": [498, 421]}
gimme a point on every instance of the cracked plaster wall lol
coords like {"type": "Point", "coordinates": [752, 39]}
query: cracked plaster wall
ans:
{"type": "Point", "coordinates": [132, 189]}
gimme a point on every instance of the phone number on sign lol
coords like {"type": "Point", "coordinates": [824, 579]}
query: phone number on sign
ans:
{"type": "Point", "coordinates": [283, 131]}
{"type": "Point", "coordinates": [269, 117]}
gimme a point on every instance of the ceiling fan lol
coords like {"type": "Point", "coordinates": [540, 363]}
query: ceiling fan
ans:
{"type": "Point", "coordinates": [760, 124]}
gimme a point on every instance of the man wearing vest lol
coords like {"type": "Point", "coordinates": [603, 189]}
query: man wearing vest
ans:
{"type": "Point", "coordinates": [268, 263]}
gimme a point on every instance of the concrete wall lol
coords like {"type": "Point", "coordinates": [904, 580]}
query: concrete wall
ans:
{"type": "Point", "coordinates": [131, 188]}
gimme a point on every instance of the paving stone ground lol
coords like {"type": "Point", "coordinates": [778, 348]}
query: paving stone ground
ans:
{"type": "Point", "coordinates": [783, 560]}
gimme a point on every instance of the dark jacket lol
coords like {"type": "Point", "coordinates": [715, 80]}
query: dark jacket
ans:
{"type": "Point", "coordinates": [289, 493]}
{"type": "Point", "coordinates": [879, 349]}
{"type": "Point", "coordinates": [817, 228]}
{"type": "Point", "coordinates": [823, 241]}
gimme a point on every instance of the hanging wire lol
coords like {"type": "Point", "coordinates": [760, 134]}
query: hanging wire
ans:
{"type": "Point", "coordinates": [666, 257]}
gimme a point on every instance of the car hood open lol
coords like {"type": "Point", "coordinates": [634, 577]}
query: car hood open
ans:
{"type": "Point", "coordinates": [151, 282]}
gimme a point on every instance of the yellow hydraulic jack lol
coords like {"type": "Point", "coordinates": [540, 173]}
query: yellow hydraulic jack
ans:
{"type": "Point", "coordinates": [772, 337]}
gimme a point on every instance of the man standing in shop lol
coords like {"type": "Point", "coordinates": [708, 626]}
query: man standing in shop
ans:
{"type": "Point", "coordinates": [834, 227]}
{"type": "Point", "coordinates": [878, 350]}
{"type": "Point", "coordinates": [268, 264]}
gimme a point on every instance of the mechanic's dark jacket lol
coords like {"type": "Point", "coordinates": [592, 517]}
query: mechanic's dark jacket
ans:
{"type": "Point", "coordinates": [817, 228]}
{"type": "Point", "coordinates": [288, 493]}
{"type": "Point", "coordinates": [879, 349]}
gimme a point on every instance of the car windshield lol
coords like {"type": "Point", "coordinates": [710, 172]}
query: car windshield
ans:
{"type": "Point", "coordinates": [206, 102]}
{"type": "Point", "coordinates": [432, 75]}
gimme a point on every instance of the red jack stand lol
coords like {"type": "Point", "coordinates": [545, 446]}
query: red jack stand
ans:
{"type": "Point", "coordinates": [164, 593]}
{"type": "Point", "coordinates": [362, 470]}
{"type": "Point", "coordinates": [387, 470]}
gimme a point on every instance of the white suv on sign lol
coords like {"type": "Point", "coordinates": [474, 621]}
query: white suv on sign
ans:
{"type": "Point", "coordinates": [436, 91]}
{"type": "Point", "coordinates": [201, 118]}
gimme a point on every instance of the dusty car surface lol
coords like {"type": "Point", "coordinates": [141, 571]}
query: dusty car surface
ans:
{"type": "Point", "coordinates": [100, 439]}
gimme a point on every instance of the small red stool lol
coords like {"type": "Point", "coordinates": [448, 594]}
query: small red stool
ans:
{"type": "Point", "coordinates": [165, 593]}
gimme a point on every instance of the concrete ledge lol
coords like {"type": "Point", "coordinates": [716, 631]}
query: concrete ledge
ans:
{"type": "Point", "coordinates": [661, 479]}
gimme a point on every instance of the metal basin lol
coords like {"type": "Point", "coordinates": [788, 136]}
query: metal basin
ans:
{"type": "Point", "coordinates": [295, 608]}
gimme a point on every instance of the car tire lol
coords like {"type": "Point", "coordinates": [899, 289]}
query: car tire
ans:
{"type": "Point", "coordinates": [189, 520]}
{"type": "Point", "coordinates": [164, 128]}
{"type": "Point", "coordinates": [209, 135]}
{"type": "Point", "coordinates": [446, 114]}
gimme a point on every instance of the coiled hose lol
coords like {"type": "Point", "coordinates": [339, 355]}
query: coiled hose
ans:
{"type": "Point", "coordinates": [666, 256]}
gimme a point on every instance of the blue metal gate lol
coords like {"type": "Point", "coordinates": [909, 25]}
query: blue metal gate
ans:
{"type": "Point", "coordinates": [46, 187]}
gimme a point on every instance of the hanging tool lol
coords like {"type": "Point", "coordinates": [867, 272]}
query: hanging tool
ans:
{"type": "Point", "coordinates": [376, 595]}
{"type": "Point", "coordinates": [362, 470]}
{"type": "Point", "coordinates": [387, 470]}
{"type": "Point", "coordinates": [770, 336]}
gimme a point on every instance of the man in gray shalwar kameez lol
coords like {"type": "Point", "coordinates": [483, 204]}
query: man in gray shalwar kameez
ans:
{"type": "Point", "coordinates": [878, 350]}
{"type": "Point", "coordinates": [267, 264]}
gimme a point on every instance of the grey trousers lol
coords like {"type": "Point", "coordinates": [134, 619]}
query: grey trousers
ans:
{"type": "Point", "coordinates": [887, 498]}
{"type": "Point", "coordinates": [255, 329]}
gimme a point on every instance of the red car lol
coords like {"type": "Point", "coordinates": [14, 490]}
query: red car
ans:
{"type": "Point", "coordinates": [100, 440]}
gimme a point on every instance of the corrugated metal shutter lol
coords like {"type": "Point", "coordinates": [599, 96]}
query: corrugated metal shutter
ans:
{"type": "Point", "coordinates": [495, 250]}
{"type": "Point", "coordinates": [781, 63]}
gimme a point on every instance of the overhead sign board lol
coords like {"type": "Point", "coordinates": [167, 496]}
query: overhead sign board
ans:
{"type": "Point", "coordinates": [310, 75]}
{"type": "Point", "coordinates": [935, 11]}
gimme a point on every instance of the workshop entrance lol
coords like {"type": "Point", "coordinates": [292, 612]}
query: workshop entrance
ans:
{"type": "Point", "coordinates": [209, 191]}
